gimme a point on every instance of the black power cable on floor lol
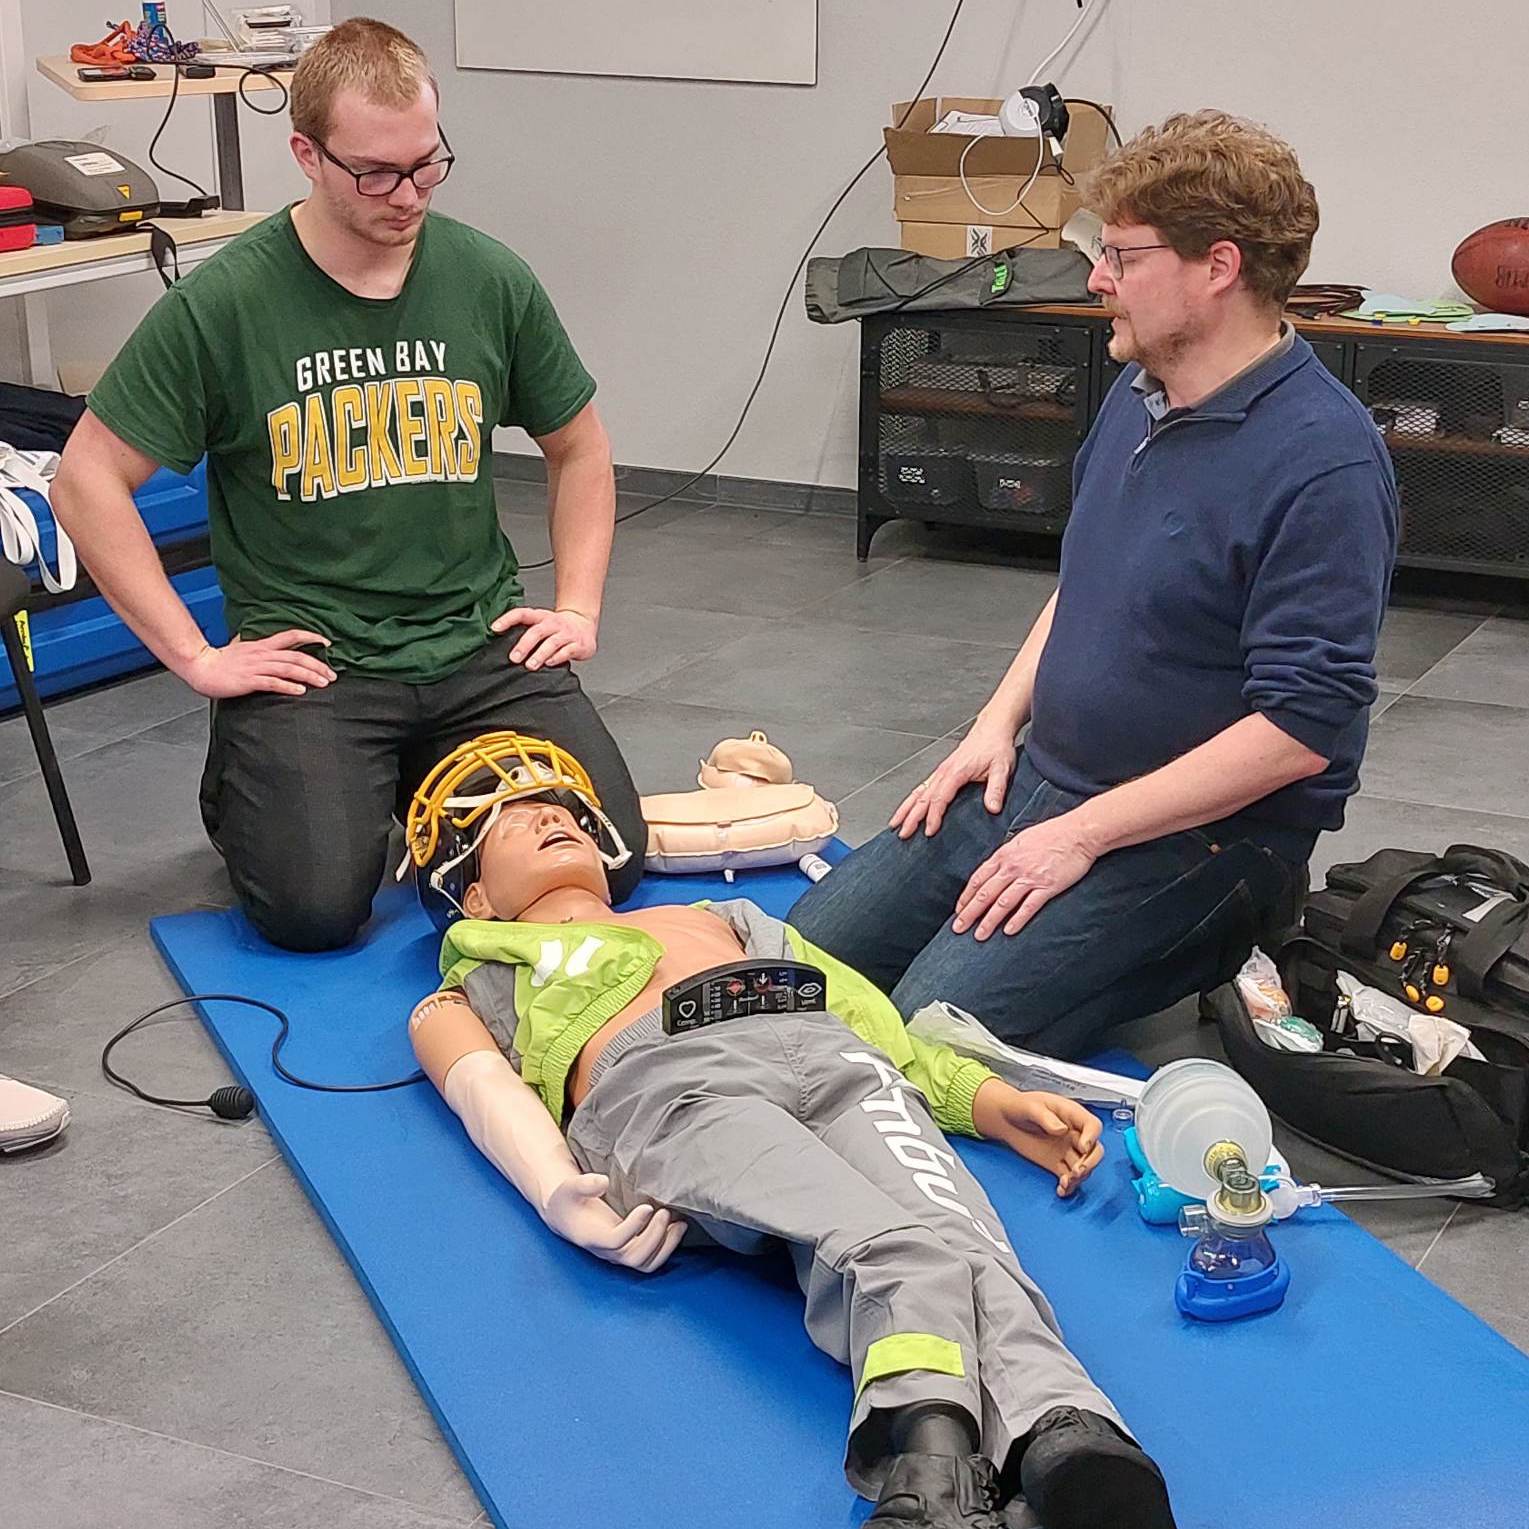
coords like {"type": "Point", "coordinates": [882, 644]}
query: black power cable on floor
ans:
{"type": "Point", "coordinates": [235, 1102]}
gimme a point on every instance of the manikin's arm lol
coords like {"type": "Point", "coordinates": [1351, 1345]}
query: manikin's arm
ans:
{"type": "Point", "coordinates": [510, 1125]}
{"type": "Point", "coordinates": [1056, 1133]}
{"type": "Point", "coordinates": [962, 1094]}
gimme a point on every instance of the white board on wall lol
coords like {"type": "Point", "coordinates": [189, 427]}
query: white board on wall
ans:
{"type": "Point", "coordinates": [762, 41]}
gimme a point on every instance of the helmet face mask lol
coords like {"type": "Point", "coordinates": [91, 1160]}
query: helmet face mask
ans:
{"type": "Point", "coordinates": [461, 798]}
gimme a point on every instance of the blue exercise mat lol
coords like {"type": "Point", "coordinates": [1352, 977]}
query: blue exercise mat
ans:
{"type": "Point", "coordinates": [576, 1394]}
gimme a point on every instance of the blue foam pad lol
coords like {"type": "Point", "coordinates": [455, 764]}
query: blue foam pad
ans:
{"type": "Point", "coordinates": [576, 1394]}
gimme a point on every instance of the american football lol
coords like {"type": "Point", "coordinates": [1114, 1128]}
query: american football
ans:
{"type": "Point", "coordinates": [1492, 266]}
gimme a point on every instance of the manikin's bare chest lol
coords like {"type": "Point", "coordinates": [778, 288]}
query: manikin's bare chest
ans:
{"type": "Point", "coordinates": [693, 941]}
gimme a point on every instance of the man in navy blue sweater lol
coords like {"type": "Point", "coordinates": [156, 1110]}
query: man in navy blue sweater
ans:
{"type": "Point", "coordinates": [1198, 689]}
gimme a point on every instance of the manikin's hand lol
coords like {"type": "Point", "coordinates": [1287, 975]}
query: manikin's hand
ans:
{"type": "Point", "coordinates": [266, 663]}
{"type": "Point", "coordinates": [551, 637]}
{"type": "Point", "coordinates": [1022, 875]}
{"type": "Point", "coordinates": [986, 753]}
{"type": "Point", "coordinates": [642, 1241]}
{"type": "Point", "coordinates": [1057, 1133]}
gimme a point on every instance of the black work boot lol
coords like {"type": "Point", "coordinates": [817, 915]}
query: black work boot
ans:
{"type": "Point", "coordinates": [1079, 1471]}
{"type": "Point", "coordinates": [938, 1492]}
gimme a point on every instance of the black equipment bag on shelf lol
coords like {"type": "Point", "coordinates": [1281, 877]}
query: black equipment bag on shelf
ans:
{"type": "Point", "coordinates": [872, 280]}
{"type": "Point", "coordinates": [1357, 1098]}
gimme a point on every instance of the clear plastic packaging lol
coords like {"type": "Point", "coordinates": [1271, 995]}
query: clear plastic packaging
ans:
{"type": "Point", "coordinates": [1434, 1040]}
{"type": "Point", "coordinates": [943, 1024]}
{"type": "Point", "coordinates": [1262, 992]}
{"type": "Point", "coordinates": [1292, 1033]}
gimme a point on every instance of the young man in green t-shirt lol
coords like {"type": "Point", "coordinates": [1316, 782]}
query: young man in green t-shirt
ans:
{"type": "Point", "coordinates": [341, 366]}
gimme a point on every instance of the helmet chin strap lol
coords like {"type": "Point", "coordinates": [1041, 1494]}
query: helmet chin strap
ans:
{"type": "Point", "coordinates": [438, 874]}
{"type": "Point", "coordinates": [615, 861]}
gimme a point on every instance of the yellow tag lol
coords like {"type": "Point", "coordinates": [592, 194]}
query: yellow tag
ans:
{"type": "Point", "coordinates": [130, 217]}
{"type": "Point", "coordinates": [127, 192]}
{"type": "Point", "coordinates": [24, 626]}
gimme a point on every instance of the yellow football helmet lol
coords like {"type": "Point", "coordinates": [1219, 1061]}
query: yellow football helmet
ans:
{"type": "Point", "coordinates": [460, 799]}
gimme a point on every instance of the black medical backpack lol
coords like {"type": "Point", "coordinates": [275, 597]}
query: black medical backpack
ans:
{"type": "Point", "coordinates": [1396, 922]}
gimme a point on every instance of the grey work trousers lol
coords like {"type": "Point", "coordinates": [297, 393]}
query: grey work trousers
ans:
{"type": "Point", "coordinates": [792, 1129]}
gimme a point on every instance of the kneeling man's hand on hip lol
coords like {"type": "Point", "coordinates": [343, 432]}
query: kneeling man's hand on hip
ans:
{"type": "Point", "coordinates": [562, 636]}
{"type": "Point", "coordinates": [264, 663]}
{"type": "Point", "coordinates": [1020, 877]}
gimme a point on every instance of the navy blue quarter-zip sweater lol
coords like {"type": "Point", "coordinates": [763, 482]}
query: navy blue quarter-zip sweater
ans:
{"type": "Point", "coordinates": [1234, 559]}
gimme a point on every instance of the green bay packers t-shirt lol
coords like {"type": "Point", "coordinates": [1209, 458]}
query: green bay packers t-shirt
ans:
{"type": "Point", "coordinates": [349, 484]}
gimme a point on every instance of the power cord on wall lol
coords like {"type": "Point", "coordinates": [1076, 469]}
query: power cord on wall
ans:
{"type": "Point", "coordinates": [1040, 148]}
{"type": "Point", "coordinates": [785, 301]}
{"type": "Point", "coordinates": [674, 493]}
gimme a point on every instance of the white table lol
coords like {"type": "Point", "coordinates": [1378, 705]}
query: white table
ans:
{"type": "Point", "coordinates": [29, 273]}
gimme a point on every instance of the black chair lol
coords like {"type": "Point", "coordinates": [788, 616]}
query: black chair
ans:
{"type": "Point", "coordinates": [14, 590]}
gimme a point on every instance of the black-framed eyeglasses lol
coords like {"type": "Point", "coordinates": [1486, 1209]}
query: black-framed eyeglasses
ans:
{"type": "Point", "coordinates": [426, 176]}
{"type": "Point", "coordinates": [1110, 254]}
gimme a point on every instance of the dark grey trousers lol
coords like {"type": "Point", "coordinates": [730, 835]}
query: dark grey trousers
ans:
{"type": "Point", "coordinates": [299, 791]}
{"type": "Point", "coordinates": [792, 1129]}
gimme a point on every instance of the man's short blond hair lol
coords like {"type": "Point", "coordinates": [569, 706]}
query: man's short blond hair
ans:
{"type": "Point", "coordinates": [1203, 176]}
{"type": "Point", "coordinates": [370, 57]}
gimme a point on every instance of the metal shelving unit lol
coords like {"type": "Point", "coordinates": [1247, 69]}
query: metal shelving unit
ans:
{"type": "Point", "coordinates": [974, 417]}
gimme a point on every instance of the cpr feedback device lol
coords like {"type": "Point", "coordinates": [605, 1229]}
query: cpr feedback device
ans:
{"type": "Point", "coordinates": [742, 988]}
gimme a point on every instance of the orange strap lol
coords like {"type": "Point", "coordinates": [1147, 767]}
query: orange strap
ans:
{"type": "Point", "coordinates": [112, 49]}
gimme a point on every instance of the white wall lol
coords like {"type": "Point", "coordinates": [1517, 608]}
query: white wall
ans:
{"type": "Point", "coordinates": [88, 323]}
{"type": "Point", "coordinates": [665, 217]}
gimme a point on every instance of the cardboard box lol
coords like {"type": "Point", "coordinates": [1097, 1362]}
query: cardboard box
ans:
{"type": "Point", "coordinates": [913, 150]}
{"type": "Point", "coordinates": [965, 241]}
{"type": "Point", "coordinates": [942, 199]}
{"type": "Point", "coordinates": [937, 215]}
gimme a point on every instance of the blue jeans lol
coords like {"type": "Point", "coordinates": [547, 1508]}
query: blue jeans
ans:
{"type": "Point", "coordinates": [1146, 926]}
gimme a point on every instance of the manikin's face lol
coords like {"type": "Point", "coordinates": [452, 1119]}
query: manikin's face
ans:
{"type": "Point", "coordinates": [533, 848]}
{"type": "Point", "coordinates": [365, 136]}
{"type": "Point", "coordinates": [1157, 302]}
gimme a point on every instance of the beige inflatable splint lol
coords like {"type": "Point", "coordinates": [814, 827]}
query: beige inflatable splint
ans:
{"type": "Point", "coordinates": [750, 811]}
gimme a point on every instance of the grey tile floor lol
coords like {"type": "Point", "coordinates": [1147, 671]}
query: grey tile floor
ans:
{"type": "Point", "coordinates": [180, 1343]}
